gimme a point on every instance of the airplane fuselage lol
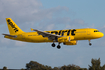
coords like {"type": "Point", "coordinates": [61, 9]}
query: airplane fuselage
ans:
{"type": "Point", "coordinates": [75, 34]}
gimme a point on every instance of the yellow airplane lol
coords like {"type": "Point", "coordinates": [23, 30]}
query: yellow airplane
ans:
{"type": "Point", "coordinates": [67, 37]}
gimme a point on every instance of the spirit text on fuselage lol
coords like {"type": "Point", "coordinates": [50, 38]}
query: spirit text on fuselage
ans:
{"type": "Point", "coordinates": [61, 32]}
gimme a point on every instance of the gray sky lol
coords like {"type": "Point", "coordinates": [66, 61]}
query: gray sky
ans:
{"type": "Point", "coordinates": [51, 15]}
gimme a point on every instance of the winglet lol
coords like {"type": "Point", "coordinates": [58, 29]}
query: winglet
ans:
{"type": "Point", "coordinates": [31, 29]}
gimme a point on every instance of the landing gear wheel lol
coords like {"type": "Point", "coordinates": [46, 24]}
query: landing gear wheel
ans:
{"type": "Point", "coordinates": [90, 44]}
{"type": "Point", "coordinates": [53, 45]}
{"type": "Point", "coordinates": [58, 46]}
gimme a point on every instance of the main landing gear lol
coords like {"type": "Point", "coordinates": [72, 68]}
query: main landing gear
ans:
{"type": "Point", "coordinates": [53, 45]}
{"type": "Point", "coordinates": [90, 43]}
{"type": "Point", "coordinates": [58, 46]}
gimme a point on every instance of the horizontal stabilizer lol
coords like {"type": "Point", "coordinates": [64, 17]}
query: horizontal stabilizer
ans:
{"type": "Point", "coordinates": [14, 36]}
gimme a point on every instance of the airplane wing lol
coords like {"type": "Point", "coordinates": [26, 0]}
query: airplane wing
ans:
{"type": "Point", "coordinates": [14, 36]}
{"type": "Point", "coordinates": [46, 34]}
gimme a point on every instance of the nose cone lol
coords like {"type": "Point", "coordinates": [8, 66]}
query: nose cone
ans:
{"type": "Point", "coordinates": [101, 35]}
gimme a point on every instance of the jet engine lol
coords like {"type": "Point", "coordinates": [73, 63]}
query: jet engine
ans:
{"type": "Point", "coordinates": [64, 39]}
{"type": "Point", "coordinates": [70, 43]}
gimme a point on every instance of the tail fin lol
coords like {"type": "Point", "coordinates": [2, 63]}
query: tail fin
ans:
{"type": "Point", "coordinates": [13, 28]}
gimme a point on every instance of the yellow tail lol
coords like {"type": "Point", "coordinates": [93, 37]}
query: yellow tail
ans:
{"type": "Point", "coordinates": [13, 28]}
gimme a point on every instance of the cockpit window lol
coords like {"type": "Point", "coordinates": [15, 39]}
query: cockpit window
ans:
{"type": "Point", "coordinates": [96, 31]}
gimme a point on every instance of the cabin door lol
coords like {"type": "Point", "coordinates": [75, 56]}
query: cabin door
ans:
{"type": "Point", "coordinates": [88, 32]}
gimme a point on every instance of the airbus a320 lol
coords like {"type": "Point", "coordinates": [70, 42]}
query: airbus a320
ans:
{"type": "Point", "coordinates": [67, 37]}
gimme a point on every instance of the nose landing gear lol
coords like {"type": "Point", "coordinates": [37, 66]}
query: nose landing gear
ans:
{"type": "Point", "coordinates": [90, 43]}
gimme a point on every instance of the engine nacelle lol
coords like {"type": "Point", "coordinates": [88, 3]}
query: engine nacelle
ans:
{"type": "Point", "coordinates": [64, 39]}
{"type": "Point", "coordinates": [70, 43]}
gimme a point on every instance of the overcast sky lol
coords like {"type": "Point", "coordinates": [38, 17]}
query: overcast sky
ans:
{"type": "Point", "coordinates": [51, 15]}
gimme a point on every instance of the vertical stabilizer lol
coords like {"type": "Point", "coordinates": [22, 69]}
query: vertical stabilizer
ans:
{"type": "Point", "coordinates": [13, 28]}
